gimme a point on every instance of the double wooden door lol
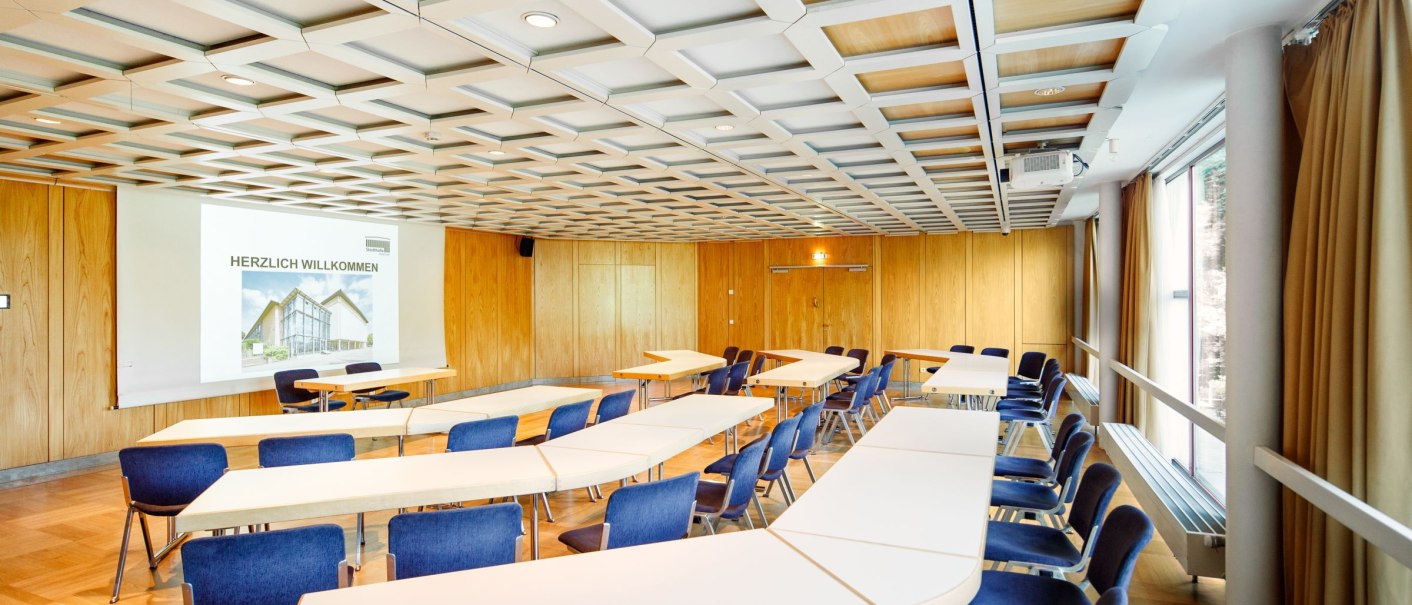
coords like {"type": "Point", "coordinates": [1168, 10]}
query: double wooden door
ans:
{"type": "Point", "coordinates": [817, 307]}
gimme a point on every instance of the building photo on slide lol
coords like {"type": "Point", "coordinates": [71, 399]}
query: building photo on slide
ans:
{"type": "Point", "coordinates": [298, 319]}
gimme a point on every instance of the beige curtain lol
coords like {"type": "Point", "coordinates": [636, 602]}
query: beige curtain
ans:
{"type": "Point", "coordinates": [1089, 314]}
{"type": "Point", "coordinates": [1348, 297]}
{"type": "Point", "coordinates": [1137, 305]}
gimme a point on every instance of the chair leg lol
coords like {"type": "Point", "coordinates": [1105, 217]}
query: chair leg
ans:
{"type": "Point", "coordinates": [591, 497]}
{"type": "Point", "coordinates": [147, 541]}
{"type": "Point", "coordinates": [810, 468]}
{"type": "Point", "coordinates": [358, 547]}
{"type": "Point", "coordinates": [547, 514]}
{"type": "Point", "coordinates": [122, 555]}
{"type": "Point", "coordinates": [788, 489]}
{"type": "Point", "coordinates": [761, 508]}
{"type": "Point", "coordinates": [861, 430]}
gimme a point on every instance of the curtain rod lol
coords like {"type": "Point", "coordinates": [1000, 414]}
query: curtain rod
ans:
{"type": "Point", "coordinates": [1304, 34]}
{"type": "Point", "coordinates": [1213, 110]}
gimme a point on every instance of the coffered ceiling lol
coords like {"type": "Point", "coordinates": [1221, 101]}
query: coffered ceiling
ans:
{"type": "Point", "coordinates": [629, 119]}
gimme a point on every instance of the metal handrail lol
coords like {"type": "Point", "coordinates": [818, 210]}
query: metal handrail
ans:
{"type": "Point", "coordinates": [1085, 346]}
{"type": "Point", "coordinates": [1373, 525]}
{"type": "Point", "coordinates": [1215, 426]}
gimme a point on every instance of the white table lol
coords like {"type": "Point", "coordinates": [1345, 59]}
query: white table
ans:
{"type": "Point", "coordinates": [965, 432]}
{"type": "Point", "coordinates": [982, 377]}
{"type": "Point", "coordinates": [805, 370]}
{"type": "Point", "coordinates": [347, 383]}
{"type": "Point", "coordinates": [440, 417]}
{"type": "Point", "coordinates": [669, 366]}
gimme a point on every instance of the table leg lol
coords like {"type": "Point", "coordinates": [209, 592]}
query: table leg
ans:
{"type": "Point", "coordinates": [431, 392]}
{"type": "Point", "coordinates": [781, 400]}
{"type": "Point", "coordinates": [534, 527]}
{"type": "Point", "coordinates": [401, 445]}
{"type": "Point", "coordinates": [323, 401]}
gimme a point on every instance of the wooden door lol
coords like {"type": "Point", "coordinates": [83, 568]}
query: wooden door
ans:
{"type": "Point", "coordinates": [796, 310]}
{"type": "Point", "coordinates": [847, 309]}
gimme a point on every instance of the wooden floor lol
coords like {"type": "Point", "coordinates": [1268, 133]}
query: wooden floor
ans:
{"type": "Point", "coordinates": [60, 537]}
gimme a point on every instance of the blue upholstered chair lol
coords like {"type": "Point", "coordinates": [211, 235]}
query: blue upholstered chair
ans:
{"type": "Point", "coordinates": [565, 419]}
{"type": "Point", "coordinates": [1047, 548]}
{"type": "Point", "coordinates": [967, 349]}
{"type": "Point", "coordinates": [484, 434]}
{"type": "Point", "coordinates": [852, 409]}
{"type": "Point", "coordinates": [645, 513]}
{"type": "Point", "coordinates": [613, 406]}
{"type": "Point", "coordinates": [1028, 394]}
{"type": "Point", "coordinates": [996, 352]}
{"type": "Point", "coordinates": [1113, 596]}
{"type": "Point", "coordinates": [745, 356]}
{"type": "Point", "coordinates": [735, 378]}
{"type": "Point", "coordinates": [1034, 469]}
{"type": "Point", "coordinates": [779, 444]}
{"type": "Point", "coordinates": [833, 350]}
{"type": "Point", "coordinates": [267, 568]}
{"type": "Point", "coordinates": [1012, 498]}
{"type": "Point", "coordinates": [387, 397]}
{"type": "Point", "coordinates": [443, 541]}
{"type": "Point", "coordinates": [1020, 419]}
{"type": "Point", "coordinates": [730, 354]}
{"type": "Point", "coordinates": [159, 481]}
{"type": "Point", "coordinates": [293, 399]}
{"type": "Point", "coordinates": [313, 449]}
{"type": "Point", "coordinates": [1031, 364]}
{"type": "Point", "coordinates": [731, 500]}
{"type": "Point", "coordinates": [757, 365]}
{"type": "Point", "coordinates": [1115, 555]}
{"type": "Point", "coordinates": [808, 430]}
{"type": "Point", "coordinates": [717, 381]}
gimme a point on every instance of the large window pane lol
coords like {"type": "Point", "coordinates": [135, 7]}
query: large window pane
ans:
{"type": "Point", "coordinates": [1208, 213]}
{"type": "Point", "coordinates": [1210, 463]}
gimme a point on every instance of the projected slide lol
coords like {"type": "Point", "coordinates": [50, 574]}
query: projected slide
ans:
{"type": "Point", "coordinates": [282, 291]}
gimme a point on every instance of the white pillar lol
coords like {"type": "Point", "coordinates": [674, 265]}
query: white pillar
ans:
{"type": "Point", "coordinates": [1254, 288]}
{"type": "Point", "coordinates": [1110, 283]}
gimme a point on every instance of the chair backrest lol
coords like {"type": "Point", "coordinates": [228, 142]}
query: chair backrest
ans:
{"type": "Point", "coordinates": [1051, 369]}
{"type": "Point", "coordinates": [1122, 538]}
{"type": "Point", "coordinates": [614, 405]}
{"type": "Point", "coordinates": [996, 352]}
{"type": "Point", "coordinates": [306, 449]}
{"type": "Point", "coordinates": [645, 513]}
{"type": "Point", "coordinates": [1031, 364]}
{"type": "Point", "coordinates": [833, 350]}
{"type": "Point", "coordinates": [171, 475]}
{"type": "Point", "coordinates": [717, 381]}
{"type": "Point", "coordinates": [1070, 462]}
{"type": "Point", "coordinates": [1072, 422]}
{"type": "Point", "coordinates": [808, 426]}
{"type": "Point", "coordinates": [757, 365]}
{"type": "Point", "coordinates": [736, 377]}
{"type": "Point", "coordinates": [745, 473]}
{"type": "Point", "coordinates": [865, 389]}
{"type": "Point", "coordinates": [568, 419]}
{"type": "Point", "coordinates": [781, 444]}
{"type": "Point", "coordinates": [962, 349]}
{"type": "Point", "coordinates": [745, 356]}
{"type": "Point", "coordinates": [1052, 392]}
{"type": "Point", "coordinates": [269, 567]}
{"type": "Point", "coordinates": [885, 373]}
{"type": "Point", "coordinates": [886, 358]}
{"type": "Point", "coordinates": [362, 367]}
{"type": "Point", "coordinates": [730, 354]}
{"type": "Point", "coordinates": [483, 434]}
{"type": "Point", "coordinates": [1096, 489]}
{"type": "Point", "coordinates": [1114, 596]}
{"type": "Point", "coordinates": [422, 544]}
{"type": "Point", "coordinates": [862, 356]}
{"type": "Point", "coordinates": [285, 390]}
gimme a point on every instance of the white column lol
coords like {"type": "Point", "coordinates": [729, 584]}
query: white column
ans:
{"type": "Point", "coordinates": [1254, 280]}
{"type": "Point", "coordinates": [1110, 280]}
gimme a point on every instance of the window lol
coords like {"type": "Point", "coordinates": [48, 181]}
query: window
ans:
{"type": "Point", "coordinates": [1193, 294]}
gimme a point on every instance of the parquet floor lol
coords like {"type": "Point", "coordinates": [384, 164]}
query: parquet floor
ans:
{"type": "Point", "coordinates": [59, 538]}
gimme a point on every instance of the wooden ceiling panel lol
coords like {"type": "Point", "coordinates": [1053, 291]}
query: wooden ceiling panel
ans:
{"type": "Point", "coordinates": [1072, 94]}
{"type": "Point", "coordinates": [1021, 15]}
{"type": "Point", "coordinates": [948, 152]}
{"type": "Point", "coordinates": [1043, 123]}
{"type": "Point", "coordinates": [940, 133]}
{"type": "Point", "coordinates": [931, 27]}
{"type": "Point", "coordinates": [930, 109]}
{"type": "Point", "coordinates": [1103, 53]}
{"type": "Point", "coordinates": [912, 78]}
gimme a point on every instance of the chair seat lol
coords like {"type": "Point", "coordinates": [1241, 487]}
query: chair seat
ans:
{"type": "Point", "coordinates": [1018, 404]}
{"type": "Point", "coordinates": [799, 454]}
{"type": "Point", "coordinates": [708, 496]}
{"type": "Point", "coordinates": [1023, 495]}
{"type": "Point", "coordinates": [838, 404]}
{"type": "Point", "coordinates": [843, 395]}
{"type": "Point", "coordinates": [1021, 466]}
{"type": "Point", "coordinates": [933, 369]}
{"type": "Point", "coordinates": [388, 396]}
{"type": "Point", "coordinates": [725, 464]}
{"type": "Point", "coordinates": [1025, 543]}
{"type": "Point", "coordinates": [314, 407]}
{"type": "Point", "coordinates": [1022, 416]}
{"type": "Point", "coordinates": [535, 440]}
{"type": "Point", "coordinates": [159, 510]}
{"type": "Point", "coordinates": [583, 539]}
{"type": "Point", "coordinates": [1009, 588]}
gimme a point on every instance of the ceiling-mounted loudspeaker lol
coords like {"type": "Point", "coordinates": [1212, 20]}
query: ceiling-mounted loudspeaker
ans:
{"type": "Point", "coordinates": [526, 246]}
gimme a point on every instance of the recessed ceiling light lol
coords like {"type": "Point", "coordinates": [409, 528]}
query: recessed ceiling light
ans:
{"type": "Point", "coordinates": [496, 152]}
{"type": "Point", "coordinates": [724, 127]}
{"type": "Point", "coordinates": [47, 121]}
{"type": "Point", "coordinates": [1049, 92]}
{"type": "Point", "coordinates": [540, 19]}
{"type": "Point", "coordinates": [238, 81]}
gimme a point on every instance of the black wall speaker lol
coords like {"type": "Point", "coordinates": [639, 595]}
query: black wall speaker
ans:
{"type": "Point", "coordinates": [526, 247]}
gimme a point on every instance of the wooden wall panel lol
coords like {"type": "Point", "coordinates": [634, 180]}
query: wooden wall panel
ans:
{"type": "Point", "coordinates": [676, 296]}
{"type": "Point", "coordinates": [796, 310]}
{"type": "Point", "coordinates": [24, 328]}
{"type": "Point", "coordinates": [749, 279]}
{"type": "Point", "coordinates": [637, 253]}
{"type": "Point", "coordinates": [637, 314]}
{"type": "Point", "coordinates": [453, 285]}
{"type": "Point", "coordinates": [595, 252]}
{"type": "Point", "coordinates": [847, 310]}
{"type": "Point", "coordinates": [555, 323]}
{"type": "Point", "coordinates": [516, 313]}
{"type": "Point", "coordinates": [900, 303]}
{"type": "Point", "coordinates": [168, 414]}
{"type": "Point", "coordinates": [713, 281]}
{"type": "Point", "coordinates": [945, 293]}
{"type": "Point", "coordinates": [481, 337]}
{"type": "Point", "coordinates": [597, 302]}
{"type": "Point", "coordinates": [1046, 292]}
{"type": "Point", "coordinates": [990, 321]}
{"type": "Point", "coordinates": [838, 251]}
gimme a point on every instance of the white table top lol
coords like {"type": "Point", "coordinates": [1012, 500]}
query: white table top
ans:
{"type": "Point", "coordinates": [657, 443]}
{"type": "Point", "coordinates": [249, 430]}
{"type": "Point", "coordinates": [672, 365]}
{"type": "Point", "coordinates": [806, 369]}
{"type": "Point", "coordinates": [709, 413]}
{"type": "Point", "coordinates": [440, 417]}
{"type": "Point", "coordinates": [962, 373]}
{"type": "Point", "coordinates": [344, 383]}
{"type": "Point", "coordinates": [961, 432]}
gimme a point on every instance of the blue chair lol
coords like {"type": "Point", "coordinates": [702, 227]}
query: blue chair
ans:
{"type": "Point", "coordinates": [967, 349]}
{"type": "Point", "coordinates": [731, 500]}
{"type": "Point", "coordinates": [730, 354]}
{"type": "Point", "coordinates": [1049, 549]}
{"type": "Point", "coordinates": [266, 568]}
{"type": "Point", "coordinates": [293, 399]}
{"type": "Point", "coordinates": [1034, 469]}
{"type": "Point", "coordinates": [852, 409]}
{"type": "Point", "coordinates": [1028, 394]}
{"type": "Point", "coordinates": [1031, 364]}
{"type": "Point", "coordinates": [484, 434]}
{"type": "Point", "coordinates": [313, 449]}
{"type": "Point", "coordinates": [779, 444]}
{"type": "Point", "coordinates": [1113, 596]}
{"type": "Point", "coordinates": [565, 420]}
{"type": "Point", "coordinates": [379, 394]}
{"type": "Point", "coordinates": [646, 513]}
{"type": "Point", "coordinates": [735, 378]}
{"type": "Point", "coordinates": [1020, 419]}
{"type": "Point", "coordinates": [884, 374]}
{"type": "Point", "coordinates": [996, 352]}
{"type": "Point", "coordinates": [159, 481]}
{"type": "Point", "coordinates": [1115, 555]}
{"type": "Point", "coordinates": [614, 406]}
{"type": "Point", "coordinates": [808, 430]}
{"type": "Point", "coordinates": [1012, 498]}
{"type": "Point", "coordinates": [443, 541]}
{"type": "Point", "coordinates": [745, 356]}
{"type": "Point", "coordinates": [833, 350]}
{"type": "Point", "coordinates": [717, 381]}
